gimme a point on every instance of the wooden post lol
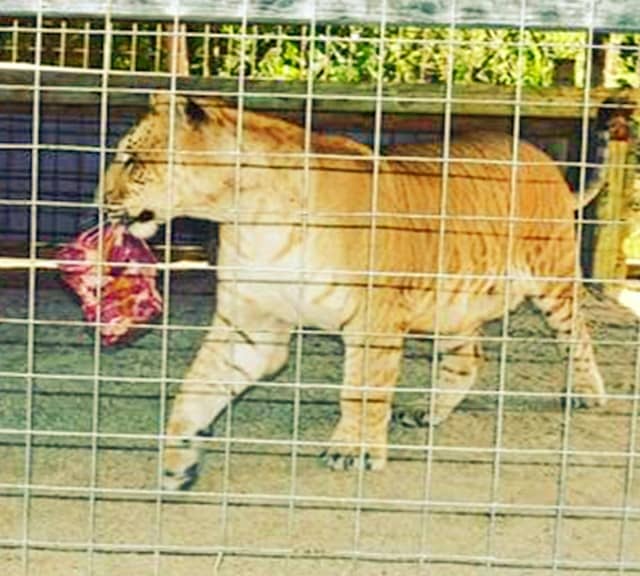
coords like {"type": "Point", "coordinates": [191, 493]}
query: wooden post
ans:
{"type": "Point", "coordinates": [598, 58]}
{"type": "Point", "coordinates": [176, 40]}
{"type": "Point", "coordinates": [612, 214]}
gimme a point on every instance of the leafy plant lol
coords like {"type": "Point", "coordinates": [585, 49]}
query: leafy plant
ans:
{"type": "Point", "coordinates": [347, 54]}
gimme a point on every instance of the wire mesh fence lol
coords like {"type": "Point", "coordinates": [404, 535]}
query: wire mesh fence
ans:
{"type": "Point", "coordinates": [371, 219]}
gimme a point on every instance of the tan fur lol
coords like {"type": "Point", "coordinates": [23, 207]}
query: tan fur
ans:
{"type": "Point", "coordinates": [375, 249]}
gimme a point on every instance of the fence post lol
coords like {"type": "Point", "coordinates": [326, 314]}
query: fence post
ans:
{"type": "Point", "coordinates": [175, 40]}
{"type": "Point", "coordinates": [613, 212]}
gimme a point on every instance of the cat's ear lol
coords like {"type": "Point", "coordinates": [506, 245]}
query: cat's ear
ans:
{"type": "Point", "coordinates": [198, 111]}
{"type": "Point", "coordinates": [195, 111]}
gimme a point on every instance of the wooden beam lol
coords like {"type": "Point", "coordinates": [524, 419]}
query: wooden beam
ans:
{"type": "Point", "coordinates": [81, 87]}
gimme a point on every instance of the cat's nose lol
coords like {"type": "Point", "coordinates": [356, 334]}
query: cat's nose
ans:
{"type": "Point", "coordinates": [145, 216]}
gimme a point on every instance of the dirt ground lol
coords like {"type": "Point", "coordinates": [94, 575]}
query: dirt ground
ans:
{"type": "Point", "coordinates": [517, 487]}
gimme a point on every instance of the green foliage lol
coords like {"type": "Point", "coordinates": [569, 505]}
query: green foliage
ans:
{"type": "Point", "coordinates": [342, 54]}
{"type": "Point", "coordinates": [628, 64]}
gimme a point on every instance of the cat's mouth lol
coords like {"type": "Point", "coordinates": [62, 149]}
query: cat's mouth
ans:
{"type": "Point", "coordinates": [144, 230]}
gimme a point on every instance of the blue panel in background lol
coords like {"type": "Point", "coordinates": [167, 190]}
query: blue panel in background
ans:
{"type": "Point", "coordinates": [65, 174]}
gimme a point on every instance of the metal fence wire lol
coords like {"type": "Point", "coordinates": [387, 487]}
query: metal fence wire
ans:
{"type": "Point", "coordinates": [377, 353]}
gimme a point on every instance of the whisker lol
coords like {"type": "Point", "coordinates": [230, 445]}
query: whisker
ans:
{"type": "Point", "coordinates": [114, 213]}
{"type": "Point", "coordinates": [115, 208]}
